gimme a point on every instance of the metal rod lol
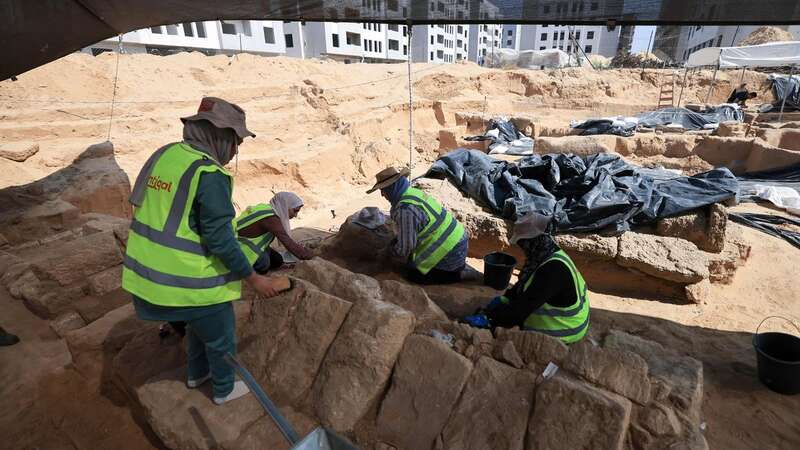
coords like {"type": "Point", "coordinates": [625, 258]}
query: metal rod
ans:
{"type": "Point", "coordinates": [683, 84]}
{"type": "Point", "coordinates": [786, 94]}
{"type": "Point", "coordinates": [114, 93]}
{"type": "Point", "coordinates": [410, 101]}
{"type": "Point", "coordinates": [286, 429]}
{"type": "Point", "coordinates": [713, 80]}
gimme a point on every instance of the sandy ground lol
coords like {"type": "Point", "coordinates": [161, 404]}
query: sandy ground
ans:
{"type": "Point", "coordinates": [323, 130]}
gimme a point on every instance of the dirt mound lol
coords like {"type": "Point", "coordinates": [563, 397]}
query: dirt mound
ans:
{"type": "Point", "coordinates": [765, 35]}
{"type": "Point", "coordinates": [633, 60]}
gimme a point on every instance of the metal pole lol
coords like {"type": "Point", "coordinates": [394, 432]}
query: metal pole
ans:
{"type": "Point", "coordinates": [713, 80]}
{"type": "Point", "coordinates": [683, 84]}
{"type": "Point", "coordinates": [410, 102]}
{"type": "Point", "coordinates": [733, 39]}
{"type": "Point", "coordinates": [741, 79]}
{"type": "Point", "coordinates": [786, 94]}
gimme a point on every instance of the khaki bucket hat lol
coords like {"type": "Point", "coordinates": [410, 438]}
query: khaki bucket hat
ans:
{"type": "Point", "coordinates": [221, 114]}
{"type": "Point", "coordinates": [387, 177]}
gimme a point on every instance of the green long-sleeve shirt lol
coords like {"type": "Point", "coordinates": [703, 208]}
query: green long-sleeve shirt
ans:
{"type": "Point", "coordinates": [211, 217]}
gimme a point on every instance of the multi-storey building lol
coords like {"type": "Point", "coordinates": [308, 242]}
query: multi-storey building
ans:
{"type": "Point", "coordinates": [592, 40]}
{"type": "Point", "coordinates": [697, 37]}
{"type": "Point", "coordinates": [483, 40]}
{"type": "Point", "coordinates": [439, 43]}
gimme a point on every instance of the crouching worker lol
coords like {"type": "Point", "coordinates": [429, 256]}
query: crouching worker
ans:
{"type": "Point", "coordinates": [550, 295]}
{"type": "Point", "coordinates": [429, 238]}
{"type": "Point", "coordinates": [258, 225]}
{"type": "Point", "coordinates": [182, 263]}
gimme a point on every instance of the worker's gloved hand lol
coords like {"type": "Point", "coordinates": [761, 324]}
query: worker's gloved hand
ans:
{"type": "Point", "coordinates": [477, 321]}
{"type": "Point", "coordinates": [497, 302]}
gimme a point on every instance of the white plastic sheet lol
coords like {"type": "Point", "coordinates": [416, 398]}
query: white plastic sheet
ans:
{"type": "Point", "coordinates": [774, 54]}
{"type": "Point", "coordinates": [782, 197]}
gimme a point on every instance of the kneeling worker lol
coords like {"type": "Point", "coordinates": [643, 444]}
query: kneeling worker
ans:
{"type": "Point", "coordinates": [550, 295]}
{"type": "Point", "coordinates": [258, 225]}
{"type": "Point", "coordinates": [429, 238]}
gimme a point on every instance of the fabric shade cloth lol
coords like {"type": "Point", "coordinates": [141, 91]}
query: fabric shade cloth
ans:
{"type": "Point", "coordinates": [775, 54]}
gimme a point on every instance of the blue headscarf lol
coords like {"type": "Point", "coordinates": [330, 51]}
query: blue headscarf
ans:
{"type": "Point", "coordinates": [396, 190]}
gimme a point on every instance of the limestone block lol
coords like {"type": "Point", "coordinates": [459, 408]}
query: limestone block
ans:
{"type": "Point", "coordinates": [427, 381]}
{"type": "Point", "coordinates": [592, 245]}
{"type": "Point", "coordinates": [622, 372]}
{"type": "Point", "coordinates": [18, 153]}
{"type": "Point", "coordinates": [359, 362]}
{"type": "Point", "coordinates": [575, 415]}
{"type": "Point", "coordinates": [338, 281]}
{"type": "Point", "coordinates": [67, 322]}
{"type": "Point", "coordinates": [55, 213]}
{"type": "Point", "coordinates": [493, 409]}
{"type": "Point", "coordinates": [504, 351]}
{"type": "Point", "coordinates": [659, 420]}
{"type": "Point", "coordinates": [106, 281]}
{"type": "Point", "coordinates": [534, 347]}
{"type": "Point", "coordinates": [131, 369]}
{"type": "Point", "coordinates": [579, 145]}
{"type": "Point", "coordinates": [412, 298]}
{"type": "Point", "coordinates": [459, 300]}
{"type": "Point", "coordinates": [668, 258]}
{"type": "Point", "coordinates": [73, 261]}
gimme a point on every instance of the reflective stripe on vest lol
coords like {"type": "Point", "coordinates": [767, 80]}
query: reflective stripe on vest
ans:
{"type": "Point", "coordinates": [256, 246]}
{"type": "Point", "coordinates": [569, 324]}
{"type": "Point", "coordinates": [442, 233]}
{"type": "Point", "coordinates": [166, 262]}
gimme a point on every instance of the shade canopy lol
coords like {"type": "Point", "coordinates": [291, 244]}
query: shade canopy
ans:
{"type": "Point", "coordinates": [775, 54]}
{"type": "Point", "coordinates": [34, 32]}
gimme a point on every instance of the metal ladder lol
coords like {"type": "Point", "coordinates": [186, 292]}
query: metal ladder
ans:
{"type": "Point", "coordinates": [666, 98]}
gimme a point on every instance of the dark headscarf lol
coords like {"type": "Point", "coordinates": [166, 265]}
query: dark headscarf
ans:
{"type": "Point", "coordinates": [537, 250]}
{"type": "Point", "coordinates": [396, 190]}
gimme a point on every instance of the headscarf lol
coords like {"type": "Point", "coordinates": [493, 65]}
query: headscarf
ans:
{"type": "Point", "coordinates": [537, 250]}
{"type": "Point", "coordinates": [396, 190]}
{"type": "Point", "coordinates": [281, 203]}
{"type": "Point", "coordinates": [218, 143]}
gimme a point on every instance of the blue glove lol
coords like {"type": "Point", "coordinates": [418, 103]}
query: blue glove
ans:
{"type": "Point", "coordinates": [496, 302]}
{"type": "Point", "coordinates": [477, 321]}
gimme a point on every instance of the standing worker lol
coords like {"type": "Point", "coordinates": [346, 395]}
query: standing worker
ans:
{"type": "Point", "coordinates": [429, 238]}
{"type": "Point", "coordinates": [550, 295]}
{"type": "Point", "coordinates": [182, 261]}
{"type": "Point", "coordinates": [258, 225]}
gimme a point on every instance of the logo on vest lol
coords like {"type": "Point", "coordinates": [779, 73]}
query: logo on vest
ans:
{"type": "Point", "coordinates": [157, 184]}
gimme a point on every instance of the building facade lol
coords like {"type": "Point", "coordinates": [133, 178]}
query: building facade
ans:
{"type": "Point", "coordinates": [678, 43]}
{"type": "Point", "coordinates": [483, 40]}
{"type": "Point", "coordinates": [592, 40]}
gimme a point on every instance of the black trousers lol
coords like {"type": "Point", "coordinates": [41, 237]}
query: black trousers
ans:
{"type": "Point", "coordinates": [435, 276]}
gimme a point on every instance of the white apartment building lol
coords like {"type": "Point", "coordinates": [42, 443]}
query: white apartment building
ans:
{"type": "Point", "coordinates": [483, 39]}
{"type": "Point", "coordinates": [511, 37]}
{"type": "Point", "coordinates": [439, 43]}
{"type": "Point", "coordinates": [694, 38]}
{"type": "Point", "coordinates": [231, 36]}
{"type": "Point", "coordinates": [593, 40]}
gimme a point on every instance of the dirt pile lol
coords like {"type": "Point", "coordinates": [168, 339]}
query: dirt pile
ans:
{"type": "Point", "coordinates": [634, 60]}
{"type": "Point", "coordinates": [765, 35]}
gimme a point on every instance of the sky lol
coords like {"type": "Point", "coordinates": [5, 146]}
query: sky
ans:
{"type": "Point", "coordinates": [641, 38]}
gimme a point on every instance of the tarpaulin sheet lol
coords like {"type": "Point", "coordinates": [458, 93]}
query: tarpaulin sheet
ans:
{"type": "Point", "coordinates": [788, 176]}
{"type": "Point", "coordinates": [773, 54]}
{"type": "Point", "coordinates": [579, 193]}
{"type": "Point", "coordinates": [619, 127]}
{"type": "Point", "coordinates": [768, 224]}
{"type": "Point", "coordinates": [506, 139]}
{"type": "Point", "coordinates": [691, 120]}
{"type": "Point", "coordinates": [788, 88]}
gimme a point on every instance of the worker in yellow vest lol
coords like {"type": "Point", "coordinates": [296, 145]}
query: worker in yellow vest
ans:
{"type": "Point", "coordinates": [258, 225]}
{"type": "Point", "coordinates": [429, 238]}
{"type": "Point", "coordinates": [550, 295]}
{"type": "Point", "coordinates": [182, 261]}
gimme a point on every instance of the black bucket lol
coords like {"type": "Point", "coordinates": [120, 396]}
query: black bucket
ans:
{"type": "Point", "coordinates": [497, 268]}
{"type": "Point", "coordinates": [778, 359]}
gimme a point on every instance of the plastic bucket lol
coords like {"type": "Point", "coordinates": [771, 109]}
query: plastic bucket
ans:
{"type": "Point", "coordinates": [778, 359]}
{"type": "Point", "coordinates": [497, 268]}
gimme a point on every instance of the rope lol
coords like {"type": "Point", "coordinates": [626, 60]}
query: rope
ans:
{"type": "Point", "coordinates": [114, 93]}
{"type": "Point", "coordinates": [410, 102]}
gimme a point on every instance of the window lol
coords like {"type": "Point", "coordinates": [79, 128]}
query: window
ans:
{"type": "Point", "coordinates": [405, 31]}
{"type": "Point", "coordinates": [405, 50]}
{"type": "Point", "coordinates": [440, 54]}
{"type": "Point", "coordinates": [698, 28]}
{"type": "Point", "coordinates": [228, 28]}
{"type": "Point", "coordinates": [269, 35]}
{"type": "Point", "coordinates": [156, 30]}
{"type": "Point", "coordinates": [393, 28]}
{"type": "Point", "coordinates": [394, 45]}
{"type": "Point", "coordinates": [577, 35]}
{"type": "Point", "coordinates": [246, 28]}
{"type": "Point", "coordinates": [508, 42]}
{"type": "Point", "coordinates": [289, 40]}
{"type": "Point", "coordinates": [172, 30]}
{"type": "Point", "coordinates": [459, 43]}
{"type": "Point", "coordinates": [369, 46]}
{"type": "Point", "coordinates": [352, 39]}
{"type": "Point", "coordinates": [431, 56]}
{"type": "Point", "coordinates": [569, 48]}
{"type": "Point", "coordinates": [440, 7]}
{"type": "Point", "coordinates": [561, 36]}
{"type": "Point", "coordinates": [440, 39]}
{"type": "Point", "coordinates": [483, 52]}
{"type": "Point", "coordinates": [590, 35]}
{"type": "Point", "coordinates": [545, 26]}
{"type": "Point", "coordinates": [574, 7]}
{"type": "Point", "coordinates": [510, 33]}
{"type": "Point", "coordinates": [380, 46]}
{"type": "Point", "coordinates": [187, 30]}
{"type": "Point", "coordinates": [594, 6]}
{"type": "Point", "coordinates": [335, 38]}
{"type": "Point", "coordinates": [543, 36]}
{"type": "Point", "coordinates": [587, 49]}
{"type": "Point", "coordinates": [405, 11]}
{"type": "Point", "coordinates": [542, 48]}
{"type": "Point", "coordinates": [201, 29]}
{"type": "Point", "coordinates": [719, 41]}
{"type": "Point", "coordinates": [460, 29]}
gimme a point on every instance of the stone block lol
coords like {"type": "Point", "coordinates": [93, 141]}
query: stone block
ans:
{"type": "Point", "coordinates": [18, 153]}
{"type": "Point", "coordinates": [619, 371]}
{"type": "Point", "coordinates": [680, 376]}
{"type": "Point", "coordinates": [55, 213]}
{"type": "Point", "coordinates": [570, 414]}
{"type": "Point", "coordinates": [672, 259]}
{"type": "Point", "coordinates": [187, 419]}
{"type": "Point", "coordinates": [590, 245]}
{"type": "Point", "coordinates": [338, 281]}
{"type": "Point", "coordinates": [659, 420]}
{"type": "Point", "coordinates": [263, 434]}
{"type": "Point", "coordinates": [579, 145]}
{"type": "Point", "coordinates": [359, 362]}
{"type": "Point", "coordinates": [459, 300]}
{"type": "Point", "coordinates": [534, 347]}
{"type": "Point", "coordinates": [130, 370]}
{"type": "Point", "coordinates": [427, 381]}
{"type": "Point", "coordinates": [412, 298]}
{"type": "Point", "coordinates": [106, 281]}
{"type": "Point", "coordinates": [704, 228]}
{"type": "Point", "coordinates": [504, 351]}
{"type": "Point", "coordinates": [493, 410]}
{"type": "Point", "coordinates": [67, 322]}
{"type": "Point", "coordinates": [73, 261]}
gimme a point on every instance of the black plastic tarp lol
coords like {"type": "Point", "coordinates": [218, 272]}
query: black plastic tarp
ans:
{"type": "Point", "coordinates": [34, 32]}
{"type": "Point", "coordinates": [690, 120]}
{"type": "Point", "coordinates": [580, 193]}
{"type": "Point", "coordinates": [788, 176]}
{"type": "Point", "coordinates": [605, 126]}
{"type": "Point", "coordinates": [768, 223]}
{"type": "Point", "coordinates": [784, 87]}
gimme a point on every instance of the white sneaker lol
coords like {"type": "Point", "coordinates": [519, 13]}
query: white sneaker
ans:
{"type": "Point", "coordinates": [191, 384]}
{"type": "Point", "coordinates": [239, 390]}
